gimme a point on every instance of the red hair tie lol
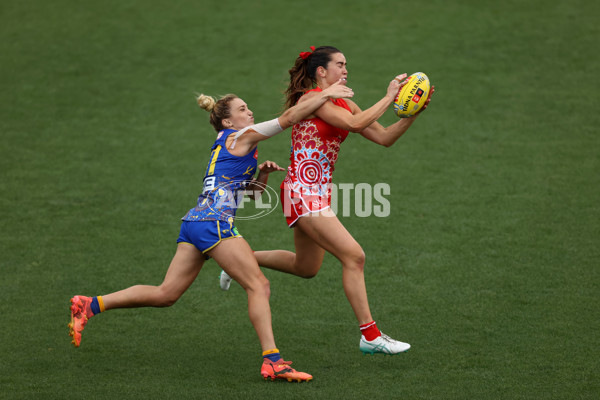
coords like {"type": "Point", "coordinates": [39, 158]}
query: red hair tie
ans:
{"type": "Point", "coordinates": [304, 55]}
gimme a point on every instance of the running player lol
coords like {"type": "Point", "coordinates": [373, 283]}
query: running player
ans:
{"type": "Point", "coordinates": [208, 230]}
{"type": "Point", "coordinates": [306, 190]}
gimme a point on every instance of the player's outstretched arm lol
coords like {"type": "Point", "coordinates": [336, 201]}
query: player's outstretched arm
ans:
{"type": "Point", "coordinates": [247, 138]}
{"type": "Point", "coordinates": [387, 136]}
{"type": "Point", "coordinates": [303, 109]}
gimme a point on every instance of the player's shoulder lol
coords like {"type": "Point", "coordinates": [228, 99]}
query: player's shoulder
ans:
{"type": "Point", "coordinates": [352, 105]}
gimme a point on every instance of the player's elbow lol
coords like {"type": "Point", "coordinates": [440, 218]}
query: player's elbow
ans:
{"type": "Point", "coordinates": [387, 143]}
{"type": "Point", "coordinates": [358, 124]}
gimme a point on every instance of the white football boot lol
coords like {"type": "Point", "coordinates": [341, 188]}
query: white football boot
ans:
{"type": "Point", "coordinates": [383, 344]}
{"type": "Point", "coordinates": [224, 280]}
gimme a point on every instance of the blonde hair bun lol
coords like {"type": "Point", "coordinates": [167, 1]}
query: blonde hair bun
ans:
{"type": "Point", "coordinates": [206, 102]}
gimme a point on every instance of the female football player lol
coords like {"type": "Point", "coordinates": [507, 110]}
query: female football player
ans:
{"type": "Point", "coordinates": [208, 230]}
{"type": "Point", "coordinates": [306, 190]}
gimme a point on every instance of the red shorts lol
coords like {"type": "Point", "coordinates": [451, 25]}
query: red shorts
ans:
{"type": "Point", "coordinates": [296, 205]}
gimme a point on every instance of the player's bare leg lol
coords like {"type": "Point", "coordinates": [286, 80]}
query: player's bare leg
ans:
{"type": "Point", "coordinates": [184, 268]}
{"type": "Point", "coordinates": [237, 259]}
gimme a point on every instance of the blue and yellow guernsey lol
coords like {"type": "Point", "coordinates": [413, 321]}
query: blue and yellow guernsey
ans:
{"type": "Point", "coordinates": [225, 181]}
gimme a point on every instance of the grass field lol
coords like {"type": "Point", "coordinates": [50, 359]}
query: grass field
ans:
{"type": "Point", "coordinates": [488, 264]}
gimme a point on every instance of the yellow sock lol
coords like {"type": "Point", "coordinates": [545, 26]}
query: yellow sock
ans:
{"type": "Point", "coordinates": [101, 303]}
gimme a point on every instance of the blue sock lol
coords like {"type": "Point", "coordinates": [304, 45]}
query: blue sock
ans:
{"type": "Point", "coordinates": [95, 306]}
{"type": "Point", "coordinates": [272, 355]}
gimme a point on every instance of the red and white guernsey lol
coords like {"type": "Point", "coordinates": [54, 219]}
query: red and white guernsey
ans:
{"type": "Point", "coordinates": [315, 147]}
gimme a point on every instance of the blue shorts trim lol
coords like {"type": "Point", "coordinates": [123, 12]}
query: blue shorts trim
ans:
{"type": "Point", "coordinates": [205, 235]}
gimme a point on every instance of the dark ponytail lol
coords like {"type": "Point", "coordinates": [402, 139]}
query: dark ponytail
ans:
{"type": "Point", "coordinates": [303, 73]}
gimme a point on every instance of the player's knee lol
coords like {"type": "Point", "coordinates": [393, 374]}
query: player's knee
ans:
{"type": "Point", "coordinates": [306, 270]}
{"type": "Point", "coordinates": [308, 274]}
{"type": "Point", "coordinates": [266, 287]}
{"type": "Point", "coordinates": [166, 298]}
{"type": "Point", "coordinates": [355, 259]}
{"type": "Point", "coordinates": [261, 285]}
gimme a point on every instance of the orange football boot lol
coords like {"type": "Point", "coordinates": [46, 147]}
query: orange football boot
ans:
{"type": "Point", "coordinates": [282, 370]}
{"type": "Point", "coordinates": [79, 317]}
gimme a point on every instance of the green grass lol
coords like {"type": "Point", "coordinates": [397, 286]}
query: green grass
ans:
{"type": "Point", "coordinates": [487, 265]}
